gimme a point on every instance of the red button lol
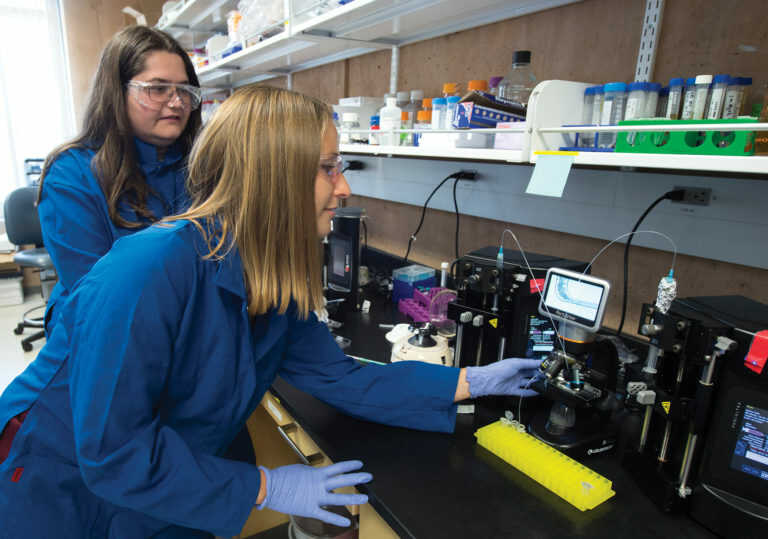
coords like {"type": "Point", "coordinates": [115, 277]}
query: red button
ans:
{"type": "Point", "coordinates": [758, 352]}
{"type": "Point", "coordinates": [537, 286]}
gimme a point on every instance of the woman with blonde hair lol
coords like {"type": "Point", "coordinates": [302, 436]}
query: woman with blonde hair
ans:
{"type": "Point", "coordinates": [167, 346]}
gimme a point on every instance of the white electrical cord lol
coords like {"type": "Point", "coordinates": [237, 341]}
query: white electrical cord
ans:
{"type": "Point", "coordinates": [670, 240]}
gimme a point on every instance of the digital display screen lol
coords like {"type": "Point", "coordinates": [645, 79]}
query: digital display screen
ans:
{"type": "Point", "coordinates": [339, 258]}
{"type": "Point", "coordinates": [750, 455]}
{"type": "Point", "coordinates": [574, 297]}
{"type": "Point", "coordinates": [541, 337]}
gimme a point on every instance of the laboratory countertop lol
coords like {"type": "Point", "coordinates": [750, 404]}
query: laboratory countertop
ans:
{"type": "Point", "coordinates": [430, 485]}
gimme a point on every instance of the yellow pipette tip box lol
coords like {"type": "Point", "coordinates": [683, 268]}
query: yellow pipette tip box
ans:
{"type": "Point", "coordinates": [572, 481]}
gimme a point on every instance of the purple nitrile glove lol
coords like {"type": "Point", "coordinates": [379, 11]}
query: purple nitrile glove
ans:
{"type": "Point", "coordinates": [506, 377]}
{"type": "Point", "coordinates": [301, 490]}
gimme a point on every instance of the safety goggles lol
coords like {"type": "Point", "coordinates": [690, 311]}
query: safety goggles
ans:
{"type": "Point", "coordinates": [155, 95]}
{"type": "Point", "coordinates": [332, 168]}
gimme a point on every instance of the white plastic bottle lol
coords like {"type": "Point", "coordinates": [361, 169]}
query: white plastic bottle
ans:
{"type": "Point", "coordinates": [389, 120]}
{"type": "Point", "coordinates": [438, 112]}
{"type": "Point", "coordinates": [519, 82]}
{"type": "Point", "coordinates": [613, 110]}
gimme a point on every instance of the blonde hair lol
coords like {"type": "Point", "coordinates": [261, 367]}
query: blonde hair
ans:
{"type": "Point", "coordinates": [251, 180]}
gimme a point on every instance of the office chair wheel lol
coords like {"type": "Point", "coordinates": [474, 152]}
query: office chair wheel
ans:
{"type": "Point", "coordinates": [27, 346]}
{"type": "Point", "coordinates": [19, 329]}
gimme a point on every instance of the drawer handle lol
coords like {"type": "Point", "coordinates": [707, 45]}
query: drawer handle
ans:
{"type": "Point", "coordinates": [309, 460]}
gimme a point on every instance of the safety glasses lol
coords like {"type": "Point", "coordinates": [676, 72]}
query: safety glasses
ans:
{"type": "Point", "coordinates": [332, 167]}
{"type": "Point", "coordinates": [156, 95]}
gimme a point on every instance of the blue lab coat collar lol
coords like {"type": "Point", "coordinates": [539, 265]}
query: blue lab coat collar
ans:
{"type": "Point", "coordinates": [147, 153]}
{"type": "Point", "coordinates": [229, 274]}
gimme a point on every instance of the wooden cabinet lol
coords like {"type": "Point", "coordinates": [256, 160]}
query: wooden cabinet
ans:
{"type": "Point", "coordinates": [278, 440]}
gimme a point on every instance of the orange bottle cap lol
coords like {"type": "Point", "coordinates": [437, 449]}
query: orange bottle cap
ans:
{"type": "Point", "coordinates": [404, 116]}
{"type": "Point", "coordinates": [426, 102]}
{"type": "Point", "coordinates": [481, 85]}
{"type": "Point", "coordinates": [450, 87]}
{"type": "Point", "coordinates": [423, 116]}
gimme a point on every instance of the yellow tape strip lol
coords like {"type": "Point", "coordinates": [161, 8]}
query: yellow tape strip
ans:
{"type": "Point", "coordinates": [542, 152]}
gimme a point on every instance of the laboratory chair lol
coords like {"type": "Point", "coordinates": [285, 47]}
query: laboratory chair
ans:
{"type": "Point", "coordinates": [23, 228]}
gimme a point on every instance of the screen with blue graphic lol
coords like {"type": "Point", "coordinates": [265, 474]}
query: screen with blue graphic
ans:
{"type": "Point", "coordinates": [574, 297]}
{"type": "Point", "coordinates": [751, 452]}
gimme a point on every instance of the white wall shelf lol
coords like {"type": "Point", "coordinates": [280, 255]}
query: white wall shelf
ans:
{"type": "Point", "coordinates": [477, 154]}
{"type": "Point", "coordinates": [353, 29]}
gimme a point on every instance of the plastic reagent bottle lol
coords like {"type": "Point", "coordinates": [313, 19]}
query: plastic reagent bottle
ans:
{"type": "Point", "coordinates": [719, 87]}
{"type": "Point", "coordinates": [731, 101]}
{"type": "Point", "coordinates": [675, 98]}
{"type": "Point", "coordinates": [651, 100]}
{"type": "Point", "coordinates": [438, 112]}
{"type": "Point", "coordinates": [452, 103]}
{"type": "Point", "coordinates": [423, 123]}
{"type": "Point", "coordinates": [638, 93]}
{"type": "Point", "coordinates": [613, 110]}
{"type": "Point", "coordinates": [389, 120]}
{"type": "Point", "coordinates": [689, 97]}
{"type": "Point", "coordinates": [493, 84]}
{"type": "Point", "coordinates": [597, 108]}
{"type": "Point", "coordinates": [587, 139]}
{"type": "Point", "coordinates": [520, 81]}
{"type": "Point", "coordinates": [702, 93]}
{"type": "Point", "coordinates": [373, 138]}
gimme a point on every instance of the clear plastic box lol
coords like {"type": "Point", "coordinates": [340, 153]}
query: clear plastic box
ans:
{"type": "Point", "coordinates": [412, 274]}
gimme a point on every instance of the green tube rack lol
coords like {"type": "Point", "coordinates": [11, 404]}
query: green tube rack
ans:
{"type": "Point", "coordinates": [698, 141]}
{"type": "Point", "coordinates": [572, 481]}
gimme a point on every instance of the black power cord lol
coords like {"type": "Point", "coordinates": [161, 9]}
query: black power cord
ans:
{"type": "Point", "coordinates": [676, 194]}
{"type": "Point", "coordinates": [461, 175]}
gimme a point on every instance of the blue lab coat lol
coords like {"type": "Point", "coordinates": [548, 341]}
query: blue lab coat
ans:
{"type": "Point", "coordinates": [74, 217]}
{"type": "Point", "coordinates": [153, 368]}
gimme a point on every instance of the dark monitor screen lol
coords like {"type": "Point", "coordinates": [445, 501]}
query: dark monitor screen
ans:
{"type": "Point", "coordinates": [750, 454]}
{"type": "Point", "coordinates": [541, 337]}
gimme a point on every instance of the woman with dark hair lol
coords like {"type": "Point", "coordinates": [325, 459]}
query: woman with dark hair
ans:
{"type": "Point", "coordinates": [125, 169]}
{"type": "Point", "coordinates": [167, 346]}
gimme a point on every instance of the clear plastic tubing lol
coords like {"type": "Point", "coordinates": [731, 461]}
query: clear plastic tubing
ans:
{"type": "Point", "coordinates": [452, 103]}
{"type": "Point", "coordinates": [637, 94]}
{"type": "Point", "coordinates": [689, 97]}
{"type": "Point", "coordinates": [586, 138]}
{"type": "Point", "coordinates": [613, 110]}
{"type": "Point", "coordinates": [703, 82]}
{"type": "Point", "coordinates": [652, 100]}
{"type": "Point", "coordinates": [675, 98]}
{"type": "Point", "coordinates": [716, 99]}
{"type": "Point", "coordinates": [438, 112]}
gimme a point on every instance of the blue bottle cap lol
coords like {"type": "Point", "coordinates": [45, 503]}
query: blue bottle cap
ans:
{"type": "Point", "coordinates": [590, 90]}
{"type": "Point", "coordinates": [598, 89]}
{"type": "Point", "coordinates": [721, 78]}
{"type": "Point", "coordinates": [452, 99]}
{"type": "Point", "coordinates": [616, 87]}
{"type": "Point", "coordinates": [438, 101]}
{"type": "Point", "coordinates": [676, 82]}
{"type": "Point", "coordinates": [375, 120]}
{"type": "Point", "coordinates": [654, 87]}
{"type": "Point", "coordinates": [691, 81]}
{"type": "Point", "coordinates": [637, 85]}
{"type": "Point", "coordinates": [664, 91]}
{"type": "Point", "coordinates": [745, 81]}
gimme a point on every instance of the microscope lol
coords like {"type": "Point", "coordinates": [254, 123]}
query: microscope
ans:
{"type": "Point", "coordinates": [577, 373]}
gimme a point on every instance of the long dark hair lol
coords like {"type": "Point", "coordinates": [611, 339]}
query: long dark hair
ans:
{"type": "Point", "coordinates": [107, 129]}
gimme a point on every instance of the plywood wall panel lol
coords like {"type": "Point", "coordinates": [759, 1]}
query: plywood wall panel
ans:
{"type": "Point", "coordinates": [324, 82]}
{"type": "Point", "coordinates": [566, 43]}
{"type": "Point", "coordinates": [369, 75]}
{"type": "Point", "coordinates": [702, 36]}
{"type": "Point", "coordinates": [88, 25]}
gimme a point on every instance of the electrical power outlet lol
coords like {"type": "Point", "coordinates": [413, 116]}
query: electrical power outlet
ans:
{"type": "Point", "coordinates": [699, 196]}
